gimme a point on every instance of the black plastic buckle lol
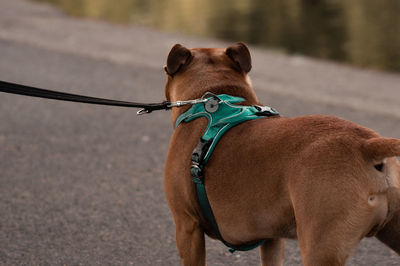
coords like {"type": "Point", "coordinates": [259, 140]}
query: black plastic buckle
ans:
{"type": "Point", "coordinates": [196, 173]}
{"type": "Point", "coordinates": [266, 111]}
{"type": "Point", "coordinates": [195, 170]}
{"type": "Point", "coordinates": [200, 151]}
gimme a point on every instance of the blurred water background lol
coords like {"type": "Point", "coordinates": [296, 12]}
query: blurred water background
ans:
{"type": "Point", "coordinates": [365, 33]}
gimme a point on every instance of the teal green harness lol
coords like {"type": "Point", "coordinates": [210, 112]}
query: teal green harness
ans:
{"type": "Point", "coordinates": [222, 115]}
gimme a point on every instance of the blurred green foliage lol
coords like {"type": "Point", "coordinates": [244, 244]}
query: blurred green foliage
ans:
{"type": "Point", "coordinates": [363, 32]}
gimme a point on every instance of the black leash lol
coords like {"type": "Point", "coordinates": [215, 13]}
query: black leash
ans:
{"type": "Point", "coordinates": [62, 96]}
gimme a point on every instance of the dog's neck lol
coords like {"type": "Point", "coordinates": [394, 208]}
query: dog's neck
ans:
{"type": "Point", "coordinates": [245, 92]}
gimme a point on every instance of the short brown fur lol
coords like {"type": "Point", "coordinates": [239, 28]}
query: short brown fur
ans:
{"type": "Point", "coordinates": [311, 177]}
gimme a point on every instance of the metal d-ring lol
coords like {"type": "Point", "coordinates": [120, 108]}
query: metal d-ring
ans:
{"type": "Point", "coordinates": [212, 104]}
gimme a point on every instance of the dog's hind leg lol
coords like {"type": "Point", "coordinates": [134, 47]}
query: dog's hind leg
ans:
{"type": "Point", "coordinates": [331, 218]}
{"type": "Point", "coordinates": [190, 241]}
{"type": "Point", "coordinates": [390, 234]}
{"type": "Point", "coordinates": [326, 248]}
{"type": "Point", "coordinates": [272, 251]}
{"type": "Point", "coordinates": [329, 240]}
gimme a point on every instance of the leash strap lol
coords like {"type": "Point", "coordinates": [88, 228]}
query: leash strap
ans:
{"type": "Point", "coordinates": [222, 115]}
{"type": "Point", "coordinates": [62, 96]}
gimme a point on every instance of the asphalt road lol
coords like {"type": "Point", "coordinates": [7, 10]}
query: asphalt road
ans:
{"type": "Point", "coordinates": [83, 184]}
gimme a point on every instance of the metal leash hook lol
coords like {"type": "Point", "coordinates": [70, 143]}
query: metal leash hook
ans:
{"type": "Point", "coordinates": [175, 104]}
{"type": "Point", "coordinates": [143, 111]}
{"type": "Point", "coordinates": [188, 102]}
{"type": "Point", "coordinates": [210, 100]}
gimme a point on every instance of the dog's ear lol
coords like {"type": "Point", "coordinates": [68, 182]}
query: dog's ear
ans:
{"type": "Point", "coordinates": [240, 54]}
{"type": "Point", "coordinates": [177, 57]}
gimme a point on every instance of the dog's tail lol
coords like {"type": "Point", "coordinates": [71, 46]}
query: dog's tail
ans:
{"type": "Point", "coordinates": [380, 148]}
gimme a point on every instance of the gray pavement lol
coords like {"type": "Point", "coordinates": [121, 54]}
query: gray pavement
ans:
{"type": "Point", "coordinates": [83, 184]}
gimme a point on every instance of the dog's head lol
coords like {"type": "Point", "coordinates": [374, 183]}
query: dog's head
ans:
{"type": "Point", "coordinates": [193, 72]}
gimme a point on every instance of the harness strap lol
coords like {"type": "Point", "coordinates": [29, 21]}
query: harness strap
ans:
{"type": "Point", "coordinates": [222, 115]}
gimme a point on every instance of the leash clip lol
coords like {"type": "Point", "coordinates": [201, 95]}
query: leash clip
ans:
{"type": "Point", "coordinates": [143, 111]}
{"type": "Point", "coordinates": [188, 102]}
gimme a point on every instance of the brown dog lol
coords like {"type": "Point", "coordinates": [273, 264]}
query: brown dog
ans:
{"type": "Point", "coordinates": [323, 180]}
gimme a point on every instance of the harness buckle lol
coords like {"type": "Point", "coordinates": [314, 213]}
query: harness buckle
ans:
{"type": "Point", "coordinates": [195, 171]}
{"type": "Point", "coordinates": [266, 111]}
{"type": "Point", "coordinates": [200, 151]}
